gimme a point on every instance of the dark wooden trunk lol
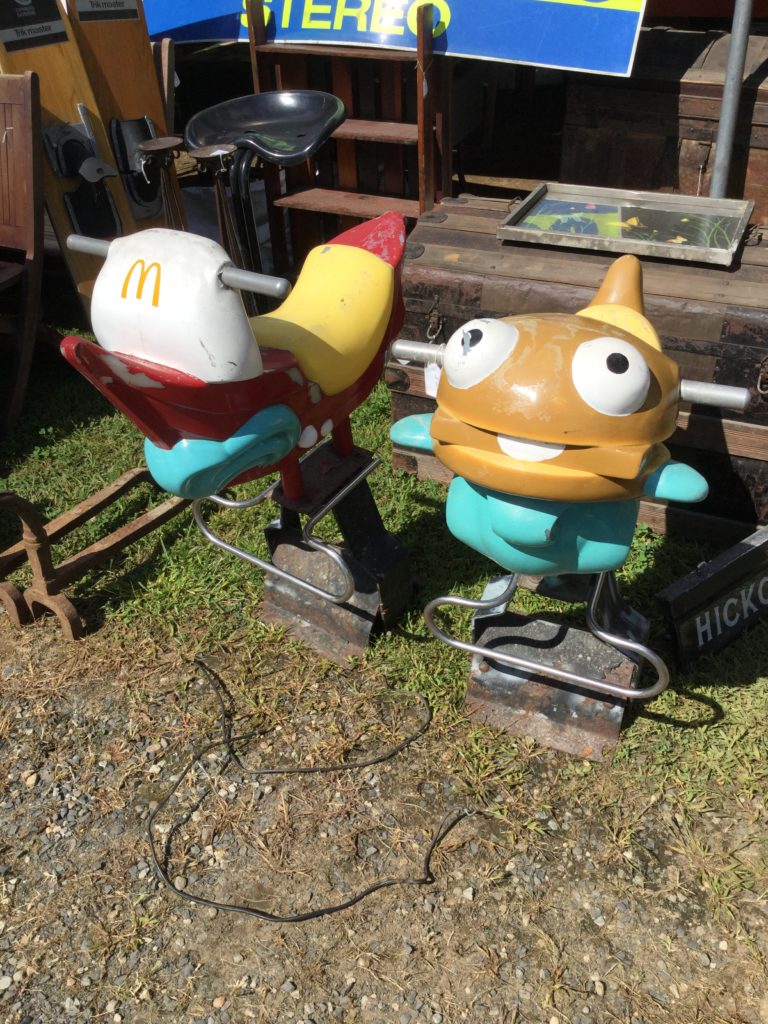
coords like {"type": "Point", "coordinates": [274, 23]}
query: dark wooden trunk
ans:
{"type": "Point", "coordinates": [657, 129]}
{"type": "Point", "coordinates": [713, 321]}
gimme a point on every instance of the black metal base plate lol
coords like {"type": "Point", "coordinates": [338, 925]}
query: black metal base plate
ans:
{"type": "Point", "coordinates": [555, 714]}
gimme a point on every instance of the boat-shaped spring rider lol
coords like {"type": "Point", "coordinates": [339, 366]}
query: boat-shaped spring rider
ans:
{"type": "Point", "coordinates": [223, 398]}
{"type": "Point", "coordinates": [554, 427]}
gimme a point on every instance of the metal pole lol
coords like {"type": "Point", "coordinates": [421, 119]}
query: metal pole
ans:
{"type": "Point", "coordinates": [734, 74]}
{"type": "Point", "coordinates": [723, 396]}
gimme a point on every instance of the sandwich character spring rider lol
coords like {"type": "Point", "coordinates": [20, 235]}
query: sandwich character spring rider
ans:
{"type": "Point", "coordinates": [554, 426]}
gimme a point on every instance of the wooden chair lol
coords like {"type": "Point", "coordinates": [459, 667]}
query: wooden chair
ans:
{"type": "Point", "coordinates": [21, 236]}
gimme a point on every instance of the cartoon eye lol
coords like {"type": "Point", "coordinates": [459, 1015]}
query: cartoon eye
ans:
{"type": "Point", "coordinates": [476, 350]}
{"type": "Point", "coordinates": [611, 376]}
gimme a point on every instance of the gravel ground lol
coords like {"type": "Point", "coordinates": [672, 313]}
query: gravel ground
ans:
{"type": "Point", "coordinates": [563, 910]}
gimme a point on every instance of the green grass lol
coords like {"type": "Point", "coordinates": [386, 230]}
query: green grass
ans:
{"type": "Point", "coordinates": [701, 746]}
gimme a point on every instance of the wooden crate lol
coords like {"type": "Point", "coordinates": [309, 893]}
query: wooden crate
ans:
{"type": "Point", "coordinates": [657, 129]}
{"type": "Point", "coordinates": [712, 321]}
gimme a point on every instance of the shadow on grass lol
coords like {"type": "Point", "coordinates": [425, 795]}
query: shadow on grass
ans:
{"type": "Point", "coordinates": [708, 718]}
{"type": "Point", "coordinates": [114, 584]}
{"type": "Point", "coordinates": [111, 585]}
{"type": "Point", "coordinates": [58, 401]}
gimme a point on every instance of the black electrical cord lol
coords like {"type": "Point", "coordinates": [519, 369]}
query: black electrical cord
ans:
{"type": "Point", "coordinates": [449, 822]}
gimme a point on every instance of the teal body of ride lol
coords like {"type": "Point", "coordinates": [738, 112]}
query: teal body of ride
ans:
{"type": "Point", "coordinates": [547, 538]}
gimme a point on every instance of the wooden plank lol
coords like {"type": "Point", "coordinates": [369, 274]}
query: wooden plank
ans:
{"type": "Point", "coordinates": [11, 207]}
{"type": "Point", "coordinates": [390, 132]}
{"type": "Point", "coordinates": [725, 334]}
{"type": "Point", "coordinates": [391, 97]}
{"type": "Point", "coordinates": [427, 294]}
{"type": "Point", "coordinates": [466, 199]}
{"type": "Point", "coordinates": [443, 86]}
{"type": "Point", "coordinates": [322, 200]}
{"type": "Point", "coordinates": [164, 59]}
{"type": "Point", "coordinates": [425, 100]}
{"type": "Point", "coordinates": [586, 269]}
{"type": "Point", "coordinates": [292, 71]}
{"type": "Point", "coordinates": [346, 155]}
{"type": "Point", "coordinates": [521, 185]}
{"type": "Point", "coordinates": [701, 337]}
{"type": "Point", "coordinates": [117, 56]}
{"type": "Point", "coordinates": [685, 521]}
{"type": "Point", "coordinates": [368, 78]}
{"type": "Point", "coordinates": [733, 437]}
{"type": "Point", "coordinates": [262, 72]}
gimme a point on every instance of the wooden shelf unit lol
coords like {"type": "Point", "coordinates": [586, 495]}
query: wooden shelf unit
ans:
{"type": "Point", "coordinates": [392, 153]}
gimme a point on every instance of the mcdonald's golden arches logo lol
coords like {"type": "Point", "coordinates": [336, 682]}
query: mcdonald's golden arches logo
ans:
{"type": "Point", "coordinates": [144, 272]}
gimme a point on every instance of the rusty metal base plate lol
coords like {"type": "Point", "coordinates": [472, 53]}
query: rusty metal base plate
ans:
{"type": "Point", "coordinates": [555, 714]}
{"type": "Point", "coordinates": [337, 631]}
{"type": "Point", "coordinates": [378, 561]}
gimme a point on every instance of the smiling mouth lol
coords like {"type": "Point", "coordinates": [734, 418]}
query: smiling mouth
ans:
{"type": "Point", "coordinates": [529, 451]}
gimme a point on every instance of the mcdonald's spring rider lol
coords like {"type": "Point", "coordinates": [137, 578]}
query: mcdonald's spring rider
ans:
{"type": "Point", "coordinates": [554, 426]}
{"type": "Point", "coordinates": [222, 399]}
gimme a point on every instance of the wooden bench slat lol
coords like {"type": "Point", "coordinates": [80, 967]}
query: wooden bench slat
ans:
{"type": "Point", "coordinates": [347, 204]}
{"type": "Point", "coordinates": [389, 132]}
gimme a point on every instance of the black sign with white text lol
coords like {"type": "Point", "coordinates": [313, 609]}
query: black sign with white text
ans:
{"type": "Point", "coordinates": [716, 603]}
{"type": "Point", "coordinates": [28, 23]}
{"type": "Point", "coordinates": [107, 10]}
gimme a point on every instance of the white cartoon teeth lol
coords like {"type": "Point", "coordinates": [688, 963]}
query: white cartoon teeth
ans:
{"type": "Point", "coordinates": [529, 451]}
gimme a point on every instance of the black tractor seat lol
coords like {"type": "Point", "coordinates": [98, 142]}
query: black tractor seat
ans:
{"type": "Point", "coordinates": [283, 128]}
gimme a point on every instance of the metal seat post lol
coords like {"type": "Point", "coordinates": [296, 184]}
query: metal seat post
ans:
{"type": "Point", "coordinates": [331, 551]}
{"type": "Point", "coordinates": [284, 128]}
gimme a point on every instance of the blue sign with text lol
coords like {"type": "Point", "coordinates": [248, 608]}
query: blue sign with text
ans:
{"type": "Point", "coordinates": [581, 35]}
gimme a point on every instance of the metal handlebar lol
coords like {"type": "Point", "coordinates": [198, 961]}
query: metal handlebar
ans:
{"type": "Point", "coordinates": [723, 396]}
{"type": "Point", "coordinates": [417, 351]}
{"type": "Point", "coordinates": [229, 275]}
{"type": "Point", "coordinates": [89, 246]}
{"type": "Point", "coordinates": [250, 281]}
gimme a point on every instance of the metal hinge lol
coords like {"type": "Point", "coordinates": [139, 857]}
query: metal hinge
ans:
{"type": "Point", "coordinates": [434, 321]}
{"type": "Point", "coordinates": [754, 235]}
{"type": "Point", "coordinates": [762, 378]}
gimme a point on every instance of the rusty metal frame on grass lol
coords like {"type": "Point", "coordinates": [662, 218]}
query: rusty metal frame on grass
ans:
{"type": "Point", "coordinates": [46, 591]}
